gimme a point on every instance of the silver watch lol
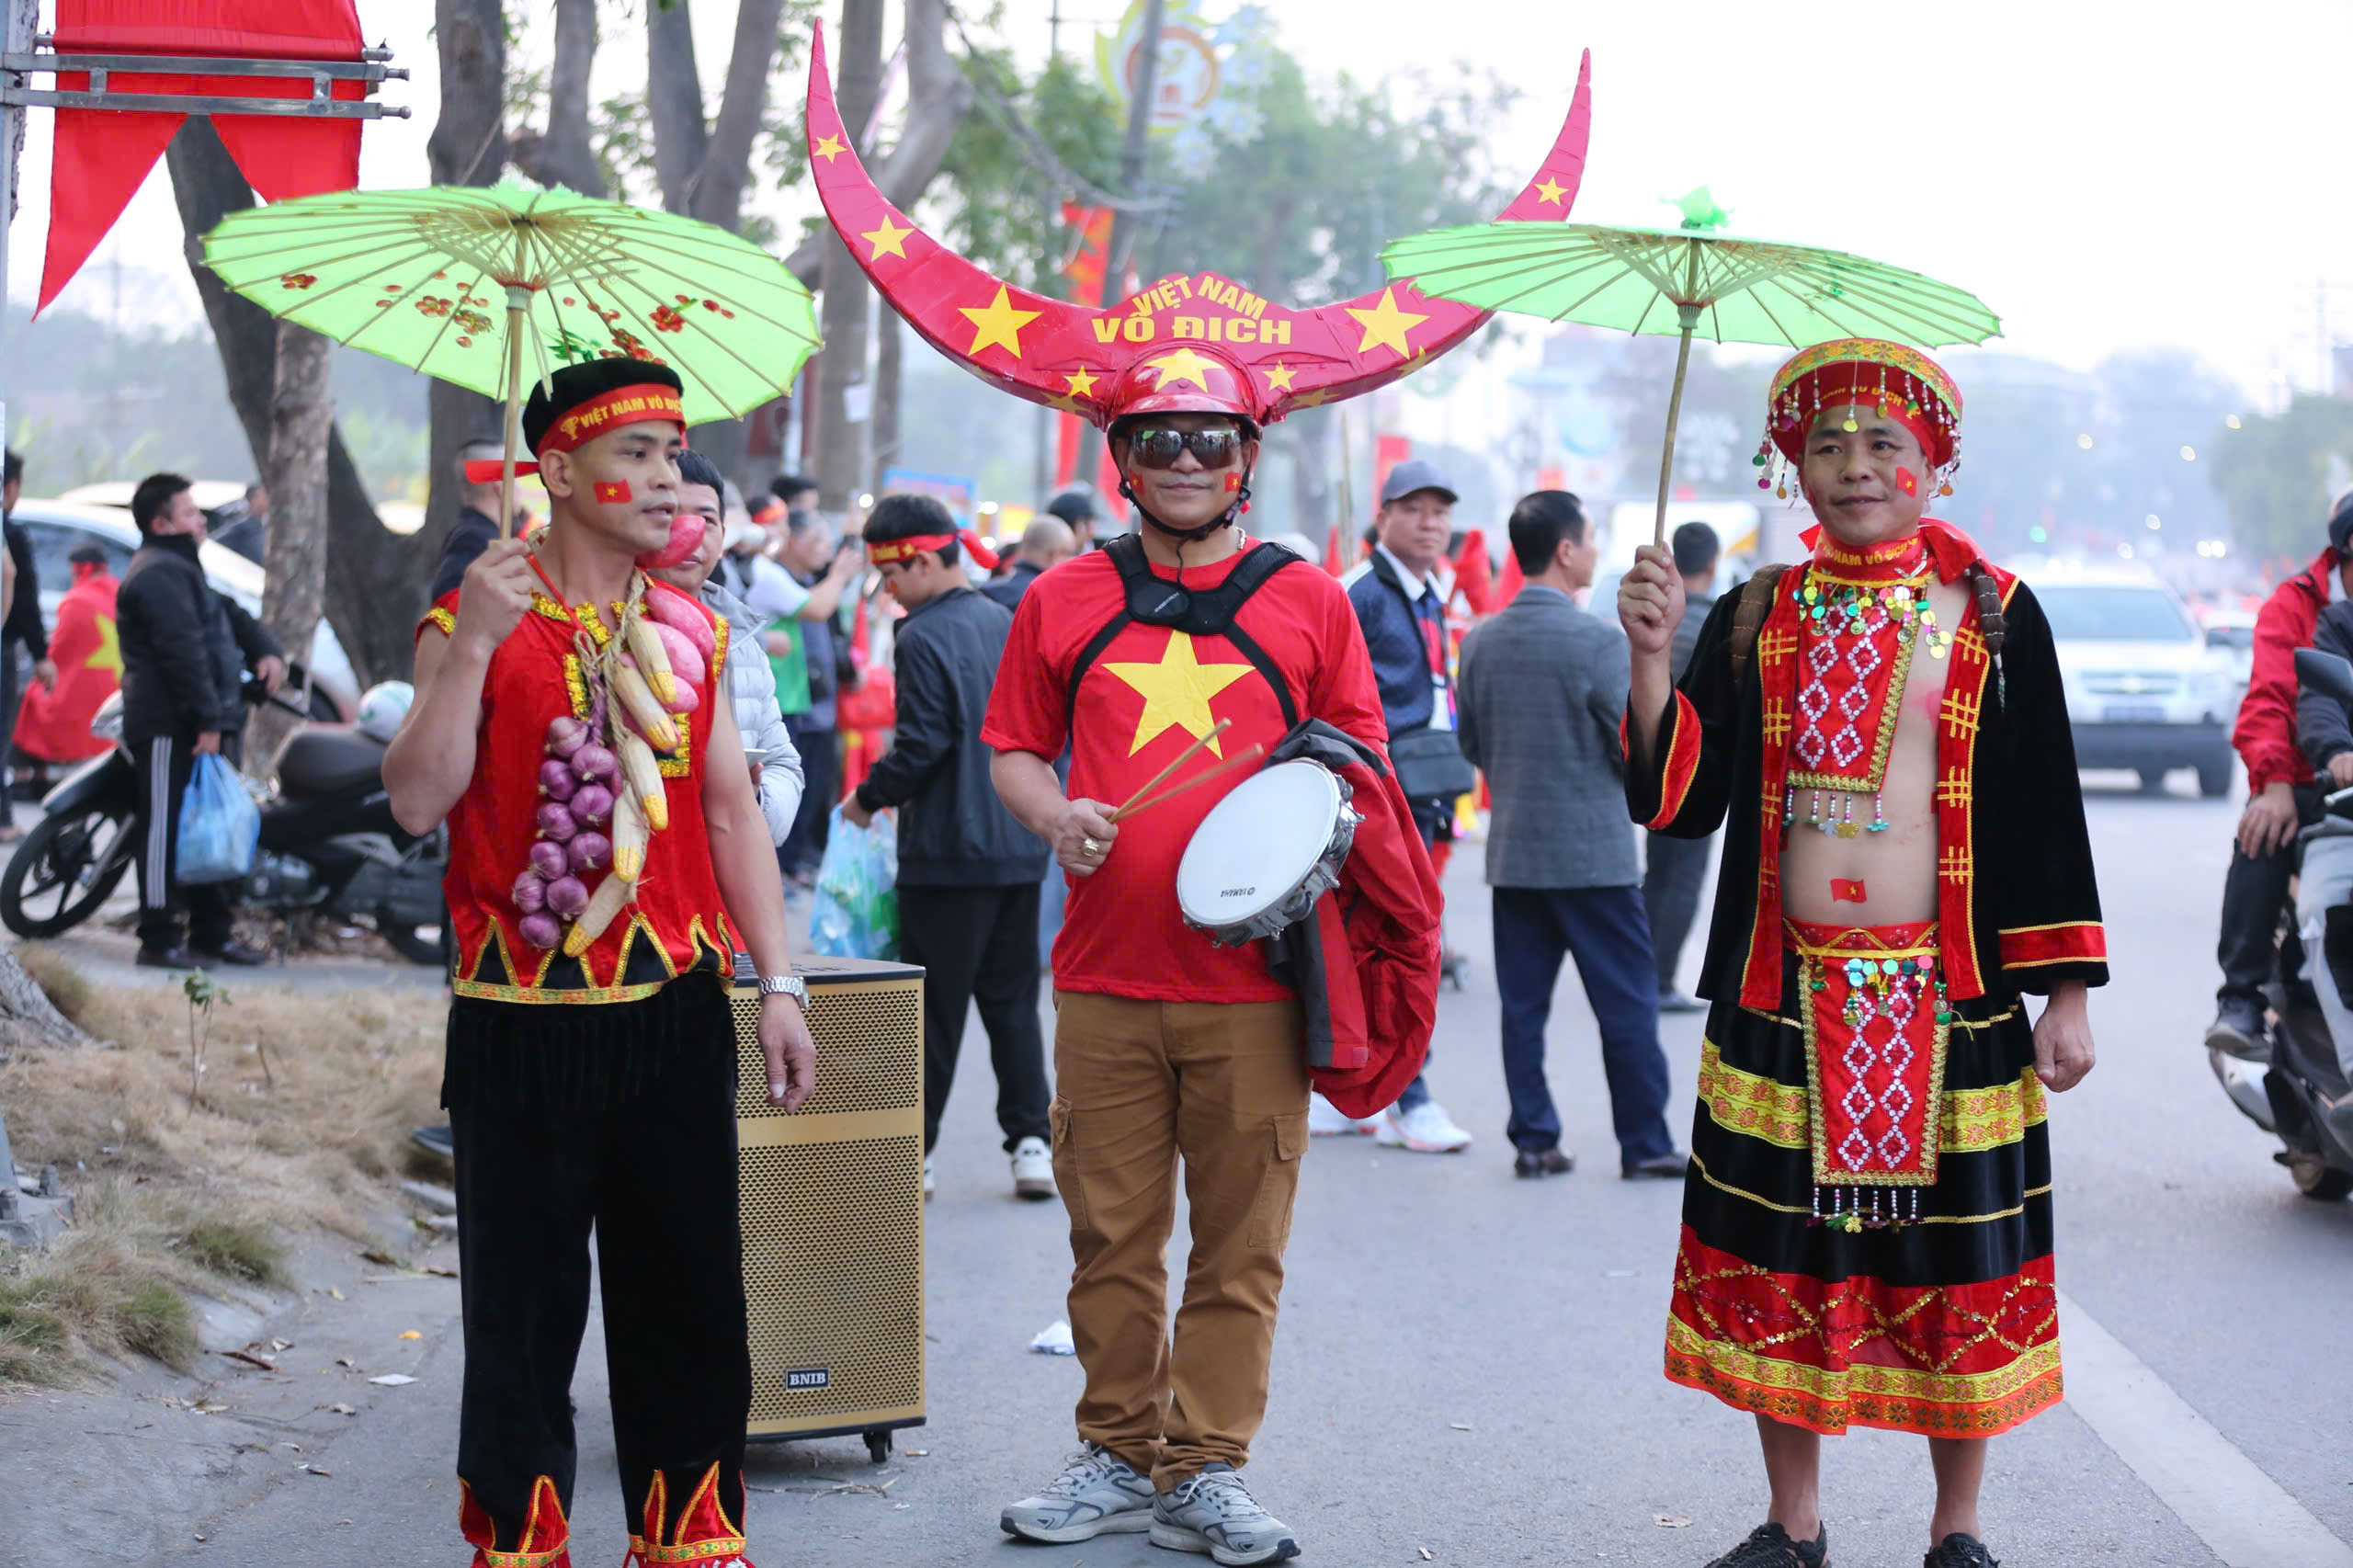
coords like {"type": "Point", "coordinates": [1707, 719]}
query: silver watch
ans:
{"type": "Point", "coordinates": [784, 985]}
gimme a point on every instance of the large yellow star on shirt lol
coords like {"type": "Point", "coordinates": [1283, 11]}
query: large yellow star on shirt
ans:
{"type": "Point", "coordinates": [1176, 693]}
{"type": "Point", "coordinates": [1385, 325]}
{"type": "Point", "coordinates": [998, 322]}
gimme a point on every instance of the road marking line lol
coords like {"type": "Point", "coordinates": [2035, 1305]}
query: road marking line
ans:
{"type": "Point", "coordinates": [2246, 1518]}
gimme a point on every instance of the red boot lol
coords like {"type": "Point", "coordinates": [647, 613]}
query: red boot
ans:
{"type": "Point", "coordinates": [704, 1536]}
{"type": "Point", "coordinates": [547, 1538]}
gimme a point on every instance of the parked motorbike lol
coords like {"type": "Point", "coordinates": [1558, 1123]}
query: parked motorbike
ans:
{"type": "Point", "coordinates": [2291, 1095]}
{"type": "Point", "coordinates": [329, 846]}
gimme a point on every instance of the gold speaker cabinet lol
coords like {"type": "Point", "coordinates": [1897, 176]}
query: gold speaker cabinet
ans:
{"type": "Point", "coordinates": [833, 1211]}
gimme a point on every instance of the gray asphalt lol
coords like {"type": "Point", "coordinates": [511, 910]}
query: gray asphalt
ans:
{"type": "Point", "coordinates": [1468, 1366]}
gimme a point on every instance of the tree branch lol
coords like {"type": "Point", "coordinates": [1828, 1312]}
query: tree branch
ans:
{"type": "Point", "coordinates": [563, 154]}
{"type": "Point", "coordinates": [719, 180]}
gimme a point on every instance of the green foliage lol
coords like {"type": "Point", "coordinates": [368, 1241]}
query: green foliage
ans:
{"type": "Point", "coordinates": [2277, 473]}
{"type": "Point", "coordinates": [235, 1250]}
{"type": "Point", "coordinates": [1301, 212]}
{"type": "Point", "coordinates": [1006, 213]}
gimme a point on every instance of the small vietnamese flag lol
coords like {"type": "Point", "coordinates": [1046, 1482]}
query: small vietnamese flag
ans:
{"type": "Point", "coordinates": [612, 491]}
{"type": "Point", "coordinates": [1907, 481]}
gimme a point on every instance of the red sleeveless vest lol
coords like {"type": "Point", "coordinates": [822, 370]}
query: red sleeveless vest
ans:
{"type": "Point", "coordinates": [678, 925]}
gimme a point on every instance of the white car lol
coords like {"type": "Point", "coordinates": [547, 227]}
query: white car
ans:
{"type": "Point", "coordinates": [57, 529]}
{"type": "Point", "coordinates": [2145, 691]}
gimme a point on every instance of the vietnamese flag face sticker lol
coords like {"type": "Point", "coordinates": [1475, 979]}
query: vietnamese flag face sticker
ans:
{"type": "Point", "coordinates": [1907, 481]}
{"type": "Point", "coordinates": [1232, 483]}
{"type": "Point", "coordinates": [613, 492]}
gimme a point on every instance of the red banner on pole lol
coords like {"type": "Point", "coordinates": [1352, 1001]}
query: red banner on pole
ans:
{"type": "Point", "coordinates": [102, 155]}
{"type": "Point", "coordinates": [1090, 260]}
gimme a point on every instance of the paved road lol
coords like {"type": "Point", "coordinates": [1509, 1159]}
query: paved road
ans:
{"type": "Point", "coordinates": [1469, 1366]}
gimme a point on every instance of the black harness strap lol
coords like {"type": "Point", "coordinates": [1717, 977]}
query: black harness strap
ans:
{"type": "Point", "coordinates": [1153, 600]}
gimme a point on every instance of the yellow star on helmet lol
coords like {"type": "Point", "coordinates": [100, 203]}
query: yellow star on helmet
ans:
{"type": "Point", "coordinates": [1550, 190]}
{"type": "Point", "coordinates": [1183, 364]}
{"type": "Point", "coordinates": [1279, 378]}
{"type": "Point", "coordinates": [1177, 692]}
{"type": "Point", "coordinates": [998, 322]}
{"type": "Point", "coordinates": [887, 240]}
{"type": "Point", "coordinates": [1081, 382]}
{"type": "Point", "coordinates": [1385, 325]}
{"type": "Point", "coordinates": [829, 148]}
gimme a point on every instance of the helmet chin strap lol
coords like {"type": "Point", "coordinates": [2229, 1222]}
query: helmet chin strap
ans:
{"type": "Point", "coordinates": [1227, 519]}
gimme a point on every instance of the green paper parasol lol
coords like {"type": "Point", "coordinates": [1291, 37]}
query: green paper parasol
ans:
{"type": "Point", "coordinates": [1685, 280]}
{"type": "Point", "coordinates": [487, 286]}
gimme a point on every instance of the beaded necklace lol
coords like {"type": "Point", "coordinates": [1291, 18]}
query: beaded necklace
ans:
{"type": "Point", "coordinates": [1860, 617]}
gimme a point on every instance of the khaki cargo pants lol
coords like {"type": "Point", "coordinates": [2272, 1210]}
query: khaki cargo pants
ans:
{"type": "Point", "coordinates": [1138, 1085]}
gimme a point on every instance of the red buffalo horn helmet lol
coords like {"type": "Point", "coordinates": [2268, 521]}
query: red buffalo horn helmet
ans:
{"type": "Point", "coordinates": [1193, 342]}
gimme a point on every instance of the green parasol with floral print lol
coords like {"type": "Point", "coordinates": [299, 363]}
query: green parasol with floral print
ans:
{"type": "Point", "coordinates": [495, 286]}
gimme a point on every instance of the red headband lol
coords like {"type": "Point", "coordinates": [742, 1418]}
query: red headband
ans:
{"type": "Point", "coordinates": [642, 403]}
{"type": "Point", "coordinates": [882, 551]}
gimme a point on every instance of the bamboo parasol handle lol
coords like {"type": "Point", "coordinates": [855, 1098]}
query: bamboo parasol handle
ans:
{"type": "Point", "coordinates": [517, 304]}
{"type": "Point", "coordinates": [1691, 318]}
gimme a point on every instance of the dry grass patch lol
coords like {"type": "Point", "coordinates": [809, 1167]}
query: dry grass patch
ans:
{"type": "Point", "coordinates": [172, 1196]}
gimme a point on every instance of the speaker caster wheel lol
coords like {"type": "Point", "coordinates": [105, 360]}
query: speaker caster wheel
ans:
{"type": "Point", "coordinates": [877, 1445]}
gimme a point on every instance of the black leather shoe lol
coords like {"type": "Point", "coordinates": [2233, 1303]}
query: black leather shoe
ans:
{"type": "Point", "coordinates": [1959, 1550]}
{"type": "Point", "coordinates": [1676, 1001]}
{"type": "Point", "coordinates": [2237, 1030]}
{"type": "Point", "coordinates": [166, 958]}
{"type": "Point", "coordinates": [232, 952]}
{"type": "Point", "coordinates": [1663, 1167]}
{"type": "Point", "coordinates": [1770, 1546]}
{"type": "Point", "coordinates": [1535, 1162]}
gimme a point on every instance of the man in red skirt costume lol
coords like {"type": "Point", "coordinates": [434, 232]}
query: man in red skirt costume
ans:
{"type": "Point", "coordinates": [1866, 1231]}
{"type": "Point", "coordinates": [607, 858]}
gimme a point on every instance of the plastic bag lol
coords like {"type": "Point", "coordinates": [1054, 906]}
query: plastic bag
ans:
{"type": "Point", "coordinates": [855, 913]}
{"type": "Point", "coordinates": [220, 825]}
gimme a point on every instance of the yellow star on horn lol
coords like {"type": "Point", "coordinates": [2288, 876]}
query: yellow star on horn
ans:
{"type": "Point", "coordinates": [1385, 325]}
{"type": "Point", "coordinates": [998, 322]}
{"type": "Point", "coordinates": [1551, 191]}
{"type": "Point", "coordinates": [1279, 378]}
{"type": "Point", "coordinates": [887, 240]}
{"type": "Point", "coordinates": [1181, 365]}
{"type": "Point", "coordinates": [1081, 382]}
{"type": "Point", "coordinates": [829, 148]}
{"type": "Point", "coordinates": [1177, 692]}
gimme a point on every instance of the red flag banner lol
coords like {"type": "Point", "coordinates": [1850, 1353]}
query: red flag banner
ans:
{"type": "Point", "coordinates": [1090, 261]}
{"type": "Point", "coordinates": [102, 156]}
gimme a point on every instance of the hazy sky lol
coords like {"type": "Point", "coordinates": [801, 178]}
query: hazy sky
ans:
{"type": "Point", "coordinates": [2105, 176]}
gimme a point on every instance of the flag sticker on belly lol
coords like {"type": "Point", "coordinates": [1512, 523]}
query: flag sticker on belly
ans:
{"type": "Point", "coordinates": [1844, 891]}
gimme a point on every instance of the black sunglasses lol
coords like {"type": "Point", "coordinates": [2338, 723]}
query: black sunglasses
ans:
{"type": "Point", "coordinates": [1161, 448]}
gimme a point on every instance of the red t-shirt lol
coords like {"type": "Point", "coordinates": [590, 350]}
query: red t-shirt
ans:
{"type": "Point", "coordinates": [1147, 695]}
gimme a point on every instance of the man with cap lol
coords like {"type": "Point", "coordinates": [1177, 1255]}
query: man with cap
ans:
{"type": "Point", "coordinates": [608, 857]}
{"type": "Point", "coordinates": [1076, 507]}
{"type": "Point", "coordinates": [1867, 1228]}
{"type": "Point", "coordinates": [477, 520]}
{"type": "Point", "coordinates": [1398, 600]}
{"type": "Point", "coordinates": [2282, 793]}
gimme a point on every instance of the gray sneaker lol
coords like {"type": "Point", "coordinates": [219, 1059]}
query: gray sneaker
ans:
{"type": "Point", "coordinates": [1214, 1513]}
{"type": "Point", "coordinates": [1095, 1493]}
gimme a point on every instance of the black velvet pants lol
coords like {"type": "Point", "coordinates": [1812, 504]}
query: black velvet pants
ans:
{"type": "Point", "coordinates": [618, 1118]}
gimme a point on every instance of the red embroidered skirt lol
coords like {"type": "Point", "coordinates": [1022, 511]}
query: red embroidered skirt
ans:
{"type": "Point", "coordinates": [1895, 1285]}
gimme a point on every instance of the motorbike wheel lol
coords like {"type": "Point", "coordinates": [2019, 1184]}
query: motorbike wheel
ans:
{"type": "Point", "coordinates": [418, 944]}
{"type": "Point", "coordinates": [66, 866]}
{"type": "Point", "coordinates": [2317, 1179]}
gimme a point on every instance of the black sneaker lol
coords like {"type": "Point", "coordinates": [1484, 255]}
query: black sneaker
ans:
{"type": "Point", "coordinates": [1536, 1163]}
{"type": "Point", "coordinates": [166, 958]}
{"type": "Point", "coordinates": [1959, 1550]}
{"type": "Point", "coordinates": [232, 952]}
{"type": "Point", "coordinates": [2237, 1030]}
{"type": "Point", "coordinates": [1770, 1546]}
{"type": "Point", "coordinates": [1670, 1166]}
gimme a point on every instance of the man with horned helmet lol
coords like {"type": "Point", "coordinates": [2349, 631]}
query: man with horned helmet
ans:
{"type": "Point", "coordinates": [1186, 636]}
{"type": "Point", "coordinates": [608, 855]}
{"type": "Point", "coordinates": [1866, 1233]}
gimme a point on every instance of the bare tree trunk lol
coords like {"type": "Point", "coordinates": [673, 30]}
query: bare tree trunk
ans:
{"type": "Point", "coordinates": [845, 399]}
{"type": "Point", "coordinates": [564, 154]}
{"type": "Point", "coordinates": [674, 102]}
{"type": "Point", "coordinates": [889, 366]}
{"type": "Point", "coordinates": [302, 416]}
{"type": "Point", "coordinates": [364, 600]}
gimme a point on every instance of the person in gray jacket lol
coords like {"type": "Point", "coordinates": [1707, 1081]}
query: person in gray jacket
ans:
{"type": "Point", "coordinates": [751, 683]}
{"type": "Point", "coordinates": [1542, 686]}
